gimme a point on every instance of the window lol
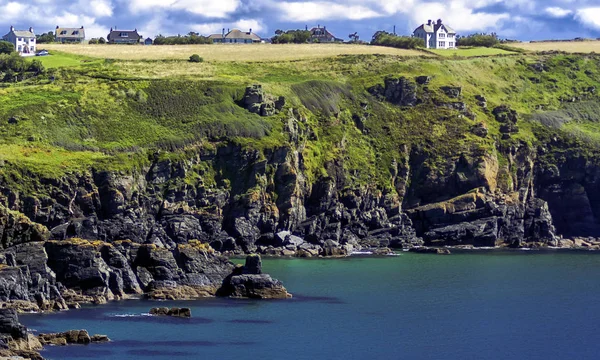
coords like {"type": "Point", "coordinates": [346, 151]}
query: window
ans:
{"type": "Point", "coordinates": [450, 36]}
{"type": "Point", "coordinates": [75, 32]}
{"type": "Point", "coordinates": [32, 48]}
{"type": "Point", "coordinates": [32, 39]}
{"type": "Point", "coordinates": [64, 32]}
{"type": "Point", "coordinates": [451, 44]}
{"type": "Point", "coordinates": [442, 44]}
{"type": "Point", "coordinates": [19, 48]}
{"type": "Point", "coordinates": [442, 35]}
{"type": "Point", "coordinates": [124, 34]}
{"type": "Point", "coordinates": [20, 39]}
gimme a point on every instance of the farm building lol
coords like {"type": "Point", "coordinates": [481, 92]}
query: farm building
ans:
{"type": "Point", "coordinates": [23, 40]}
{"type": "Point", "coordinates": [436, 35]}
{"type": "Point", "coordinates": [123, 37]}
{"type": "Point", "coordinates": [69, 35]}
{"type": "Point", "coordinates": [148, 41]}
{"type": "Point", "coordinates": [235, 36]}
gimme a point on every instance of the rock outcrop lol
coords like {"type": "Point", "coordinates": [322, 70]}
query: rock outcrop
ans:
{"type": "Point", "coordinates": [248, 281]}
{"type": "Point", "coordinates": [15, 341]}
{"type": "Point", "coordinates": [398, 91]}
{"type": "Point", "coordinates": [71, 337]}
{"type": "Point", "coordinates": [174, 312]}
{"type": "Point", "coordinates": [258, 102]}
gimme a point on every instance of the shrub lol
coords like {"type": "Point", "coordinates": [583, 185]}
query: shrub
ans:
{"type": "Point", "coordinates": [196, 58]}
{"type": "Point", "coordinates": [483, 40]}
{"type": "Point", "coordinates": [291, 37]}
{"type": "Point", "coordinates": [383, 38]}
{"type": "Point", "coordinates": [6, 47]}
{"type": "Point", "coordinates": [191, 38]}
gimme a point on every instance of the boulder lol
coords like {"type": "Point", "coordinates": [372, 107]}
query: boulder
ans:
{"type": "Point", "coordinates": [423, 80]}
{"type": "Point", "coordinates": [452, 91]}
{"type": "Point", "coordinates": [71, 337]}
{"type": "Point", "coordinates": [9, 324]}
{"type": "Point", "coordinates": [430, 250]}
{"type": "Point", "coordinates": [175, 312]}
{"type": "Point", "coordinates": [398, 91]}
{"type": "Point", "coordinates": [248, 281]}
{"type": "Point", "coordinates": [258, 102]}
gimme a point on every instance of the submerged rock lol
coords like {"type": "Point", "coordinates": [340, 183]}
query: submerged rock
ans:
{"type": "Point", "coordinates": [71, 337]}
{"type": "Point", "coordinates": [430, 250]}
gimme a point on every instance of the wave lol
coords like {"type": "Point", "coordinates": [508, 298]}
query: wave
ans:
{"type": "Point", "coordinates": [130, 315]}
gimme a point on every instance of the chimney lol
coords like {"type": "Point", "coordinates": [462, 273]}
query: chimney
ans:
{"type": "Point", "coordinates": [228, 30]}
{"type": "Point", "coordinates": [31, 29]}
{"type": "Point", "coordinates": [429, 22]}
{"type": "Point", "coordinates": [111, 29]}
{"type": "Point", "coordinates": [57, 26]}
{"type": "Point", "coordinates": [82, 26]}
{"type": "Point", "coordinates": [223, 32]}
{"type": "Point", "coordinates": [250, 32]}
{"type": "Point", "coordinates": [439, 22]}
{"type": "Point", "coordinates": [12, 28]}
{"type": "Point", "coordinates": [306, 27]}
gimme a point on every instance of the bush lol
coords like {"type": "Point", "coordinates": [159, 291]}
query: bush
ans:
{"type": "Point", "coordinates": [482, 40]}
{"type": "Point", "coordinates": [291, 37]}
{"type": "Point", "coordinates": [196, 58]}
{"type": "Point", "coordinates": [191, 38]}
{"type": "Point", "coordinates": [383, 38]}
{"type": "Point", "coordinates": [6, 47]}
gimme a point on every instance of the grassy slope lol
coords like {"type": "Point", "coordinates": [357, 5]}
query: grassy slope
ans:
{"type": "Point", "coordinates": [110, 114]}
{"type": "Point", "coordinates": [470, 52]}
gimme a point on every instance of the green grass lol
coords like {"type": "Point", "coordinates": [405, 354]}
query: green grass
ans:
{"type": "Point", "coordinates": [112, 114]}
{"type": "Point", "coordinates": [64, 60]}
{"type": "Point", "coordinates": [470, 52]}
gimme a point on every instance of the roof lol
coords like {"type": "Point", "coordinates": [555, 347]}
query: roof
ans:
{"type": "Point", "coordinates": [116, 34]}
{"type": "Point", "coordinates": [24, 33]}
{"type": "Point", "coordinates": [236, 34]}
{"type": "Point", "coordinates": [435, 27]}
{"type": "Point", "coordinates": [70, 33]}
{"type": "Point", "coordinates": [324, 29]}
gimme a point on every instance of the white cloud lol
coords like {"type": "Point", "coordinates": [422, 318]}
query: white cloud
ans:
{"type": "Point", "coordinates": [558, 12]}
{"type": "Point", "coordinates": [589, 17]}
{"type": "Point", "coordinates": [257, 27]}
{"type": "Point", "coordinates": [100, 8]}
{"type": "Point", "coordinates": [459, 16]}
{"type": "Point", "coordinates": [308, 11]}
{"type": "Point", "coordinates": [206, 8]}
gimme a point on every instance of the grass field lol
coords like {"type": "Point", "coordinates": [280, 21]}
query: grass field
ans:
{"type": "Point", "coordinates": [250, 53]}
{"type": "Point", "coordinates": [61, 59]}
{"type": "Point", "coordinates": [470, 52]}
{"type": "Point", "coordinates": [567, 46]}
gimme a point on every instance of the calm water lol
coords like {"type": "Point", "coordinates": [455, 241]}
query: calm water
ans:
{"type": "Point", "coordinates": [471, 306]}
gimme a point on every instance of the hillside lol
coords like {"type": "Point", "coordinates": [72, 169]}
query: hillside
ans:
{"type": "Point", "coordinates": [351, 151]}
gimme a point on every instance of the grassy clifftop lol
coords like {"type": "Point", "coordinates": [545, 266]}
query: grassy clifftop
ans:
{"type": "Point", "coordinates": [112, 114]}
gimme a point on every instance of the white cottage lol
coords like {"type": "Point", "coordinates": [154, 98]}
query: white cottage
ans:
{"type": "Point", "coordinates": [436, 35]}
{"type": "Point", "coordinates": [23, 40]}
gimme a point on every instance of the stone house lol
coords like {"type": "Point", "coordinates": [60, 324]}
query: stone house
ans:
{"type": "Point", "coordinates": [436, 35]}
{"type": "Point", "coordinates": [123, 37]}
{"type": "Point", "coordinates": [69, 35]}
{"type": "Point", "coordinates": [235, 36]}
{"type": "Point", "coordinates": [23, 40]}
{"type": "Point", "coordinates": [322, 35]}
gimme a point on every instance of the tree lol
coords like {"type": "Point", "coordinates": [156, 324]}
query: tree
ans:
{"type": "Point", "coordinates": [6, 47]}
{"type": "Point", "coordinates": [484, 40]}
{"type": "Point", "coordinates": [354, 37]}
{"type": "Point", "coordinates": [45, 38]}
{"type": "Point", "coordinates": [196, 58]}
{"type": "Point", "coordinates": [291, 37]}
{"type": "Point", "coordinates": [383, 38]}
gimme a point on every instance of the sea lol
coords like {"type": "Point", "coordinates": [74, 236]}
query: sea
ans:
{"type": "Point", "coordinates": [478, 305]}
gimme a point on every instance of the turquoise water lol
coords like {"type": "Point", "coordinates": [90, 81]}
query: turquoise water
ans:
{"type": "Point", "coordinates": [467, 306]}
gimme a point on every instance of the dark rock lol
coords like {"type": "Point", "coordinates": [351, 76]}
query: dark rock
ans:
{"type": "Point", "coordinates": [480, 130]}
{"type": "Point", "coordinates": [174, 312]}
{"type": "Point", "coordinates": [398, 91]}
{"type": "Point", "coordinates": [9, 324]}
{"type": "Point", "coordinates": [423, 80]}
{"type": "Point", "coordinates": [452, 91]}
{"type": "Point", "coordinates": [248, 282]}
{"type": "Point", "coordinates": [72, 337]}
{"type": "Point", "coordinates": [258, 102]}
{"type": "Point", "coordinates": [481, 101]}
{"type": "Point", "coordinates": [13, 120]}
{"type": "Point", "coordinates": [505, 114]}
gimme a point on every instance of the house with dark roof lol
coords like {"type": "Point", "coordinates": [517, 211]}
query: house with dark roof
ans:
{"type": "Point", "coordinates": [322, 35]}
{"type": "Point", "coordinates": [148, 41]}
{"type": "Point", "coordinates": [436, 35]}
{"type": "Point", "coordinates": [235, 36]}
{"type": "Point", "coordinates": [23, 40]}
{"type": "Point", "coordinates": [123, 36]}
{"type": "Point", "coordinates": [69, 35]}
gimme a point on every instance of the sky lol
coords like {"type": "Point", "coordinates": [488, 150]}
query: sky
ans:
{"type": "Point", "coordinates": [512, 19]}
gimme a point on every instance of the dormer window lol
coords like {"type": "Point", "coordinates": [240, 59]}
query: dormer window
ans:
{"type": "Point", "coordinates": [64, 32]}
{"type": "Point", "coordinates": [124, 34]}
{"type": "Point", "coordinates": [75, 32]}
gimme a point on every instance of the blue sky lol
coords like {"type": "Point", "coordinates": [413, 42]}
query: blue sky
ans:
{"type": "Point", "coordinates": [514, 19]}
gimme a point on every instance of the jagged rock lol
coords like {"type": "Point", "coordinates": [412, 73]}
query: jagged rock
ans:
{"type": "Point", "coordinates": [249, 282]}
{"type": "Point", "coordinates": [481, 101]}
{"type": "Point", "coordinates": [258, 102]}
{"type": "Point", "coordinates": [9, 324]}
{"type": "Point", "coordinates": [480, 130]}
{"type": "Point", "coordinates": [174, 312]}
{"type": "Point", "coordinates": [452, 91]}
{"type": "Point", "coordinates": [505, 114]}
{"type": "Point", "coordinates": [71, 337]}
{"type": "Point", "coordinates": [398, 91]}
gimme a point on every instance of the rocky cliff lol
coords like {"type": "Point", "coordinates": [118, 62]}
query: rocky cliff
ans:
{"type": "Point", "coordinates": [396, 161]}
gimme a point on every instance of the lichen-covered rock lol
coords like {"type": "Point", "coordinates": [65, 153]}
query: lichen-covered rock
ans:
{"type": "Point", "coordinates": [398, 91]}
{"type": "Point", "coordinates": [258, 102]}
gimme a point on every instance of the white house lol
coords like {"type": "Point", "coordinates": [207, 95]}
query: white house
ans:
{"type": "Point", "coordinates": [23, 40]}
{"type": "Point", "coordinates": [436, 35]}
